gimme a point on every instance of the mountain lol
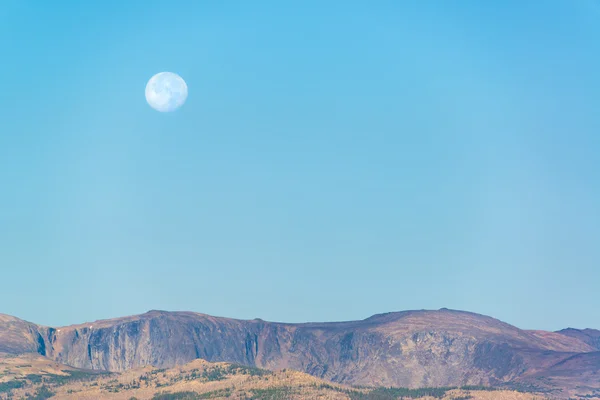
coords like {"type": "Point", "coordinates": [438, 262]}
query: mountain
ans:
{"type": "Point", "coordinates": [18, 336]}
{"type": "Point", "coordinates": [578, 375]}
{"type": "Point", "coordinates": [588, 336]}
{"type": "Point", "coordinates": [402, 349]}
{"type": "Point", "coordinates": [34, 376]}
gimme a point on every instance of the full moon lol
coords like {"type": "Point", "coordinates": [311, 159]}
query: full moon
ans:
{"type": "Point", "coordinates": [166, 92]}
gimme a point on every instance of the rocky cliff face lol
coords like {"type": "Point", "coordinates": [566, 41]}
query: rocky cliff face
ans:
{"type": "Point", "coordinates": [407, 349]}
{"type": "Point", "coordinates": [18, 336]}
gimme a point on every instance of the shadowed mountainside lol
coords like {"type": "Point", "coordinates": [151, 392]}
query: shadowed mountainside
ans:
{"type": "Point", "coordinates": [403, 349]}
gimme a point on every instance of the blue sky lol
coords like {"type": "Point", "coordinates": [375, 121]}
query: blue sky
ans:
{"type": "Point", "coordinates": [334, 159]}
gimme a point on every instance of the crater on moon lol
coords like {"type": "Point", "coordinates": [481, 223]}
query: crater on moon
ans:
{"type": "Point", "coordinates": [166, 92]}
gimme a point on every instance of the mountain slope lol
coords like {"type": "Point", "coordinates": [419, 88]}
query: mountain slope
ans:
{"type": "Point", "coordinates": [588, 336]}
{"type": "Point", "coordinates": [18, 336]}
{"type": "Point", "coordinates": [41, 377]}
{"type": "Point", "coordinates": [406, 349]}
{"type": "Point", "coordinates": [403, 349]}
{"type": "Point", "coordinates": [578, 375]}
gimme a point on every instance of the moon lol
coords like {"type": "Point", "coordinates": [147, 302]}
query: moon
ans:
{"type": "Point", "coordinates": [166, 92]}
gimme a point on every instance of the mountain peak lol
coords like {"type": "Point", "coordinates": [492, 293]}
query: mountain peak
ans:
{"type": "Point", "coordinates": [151, 312]}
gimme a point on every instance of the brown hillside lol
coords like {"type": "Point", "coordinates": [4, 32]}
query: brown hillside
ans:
{"type": "Point", "coordinates": [199, 379]}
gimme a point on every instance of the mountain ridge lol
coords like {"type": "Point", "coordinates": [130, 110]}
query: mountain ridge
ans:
{"type": "Point", "coordinates": [414, 348]}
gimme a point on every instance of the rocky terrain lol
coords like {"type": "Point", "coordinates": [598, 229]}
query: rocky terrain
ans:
{"type": "Point", "coordinates": [409, 349]}
{"type": "Point", "coordinates": [39, 378]}
{"type": "Point", "coordinates": [18, 336]}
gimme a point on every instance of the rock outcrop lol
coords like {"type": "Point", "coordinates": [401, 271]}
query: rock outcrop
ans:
{"type": "Point", "coordinates": [404, 349]}
{"type": "Point", "coordinates": [18, 336]}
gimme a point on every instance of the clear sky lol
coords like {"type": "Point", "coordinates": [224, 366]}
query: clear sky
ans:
{"type": "Point", "coordinates": [335, 159]}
